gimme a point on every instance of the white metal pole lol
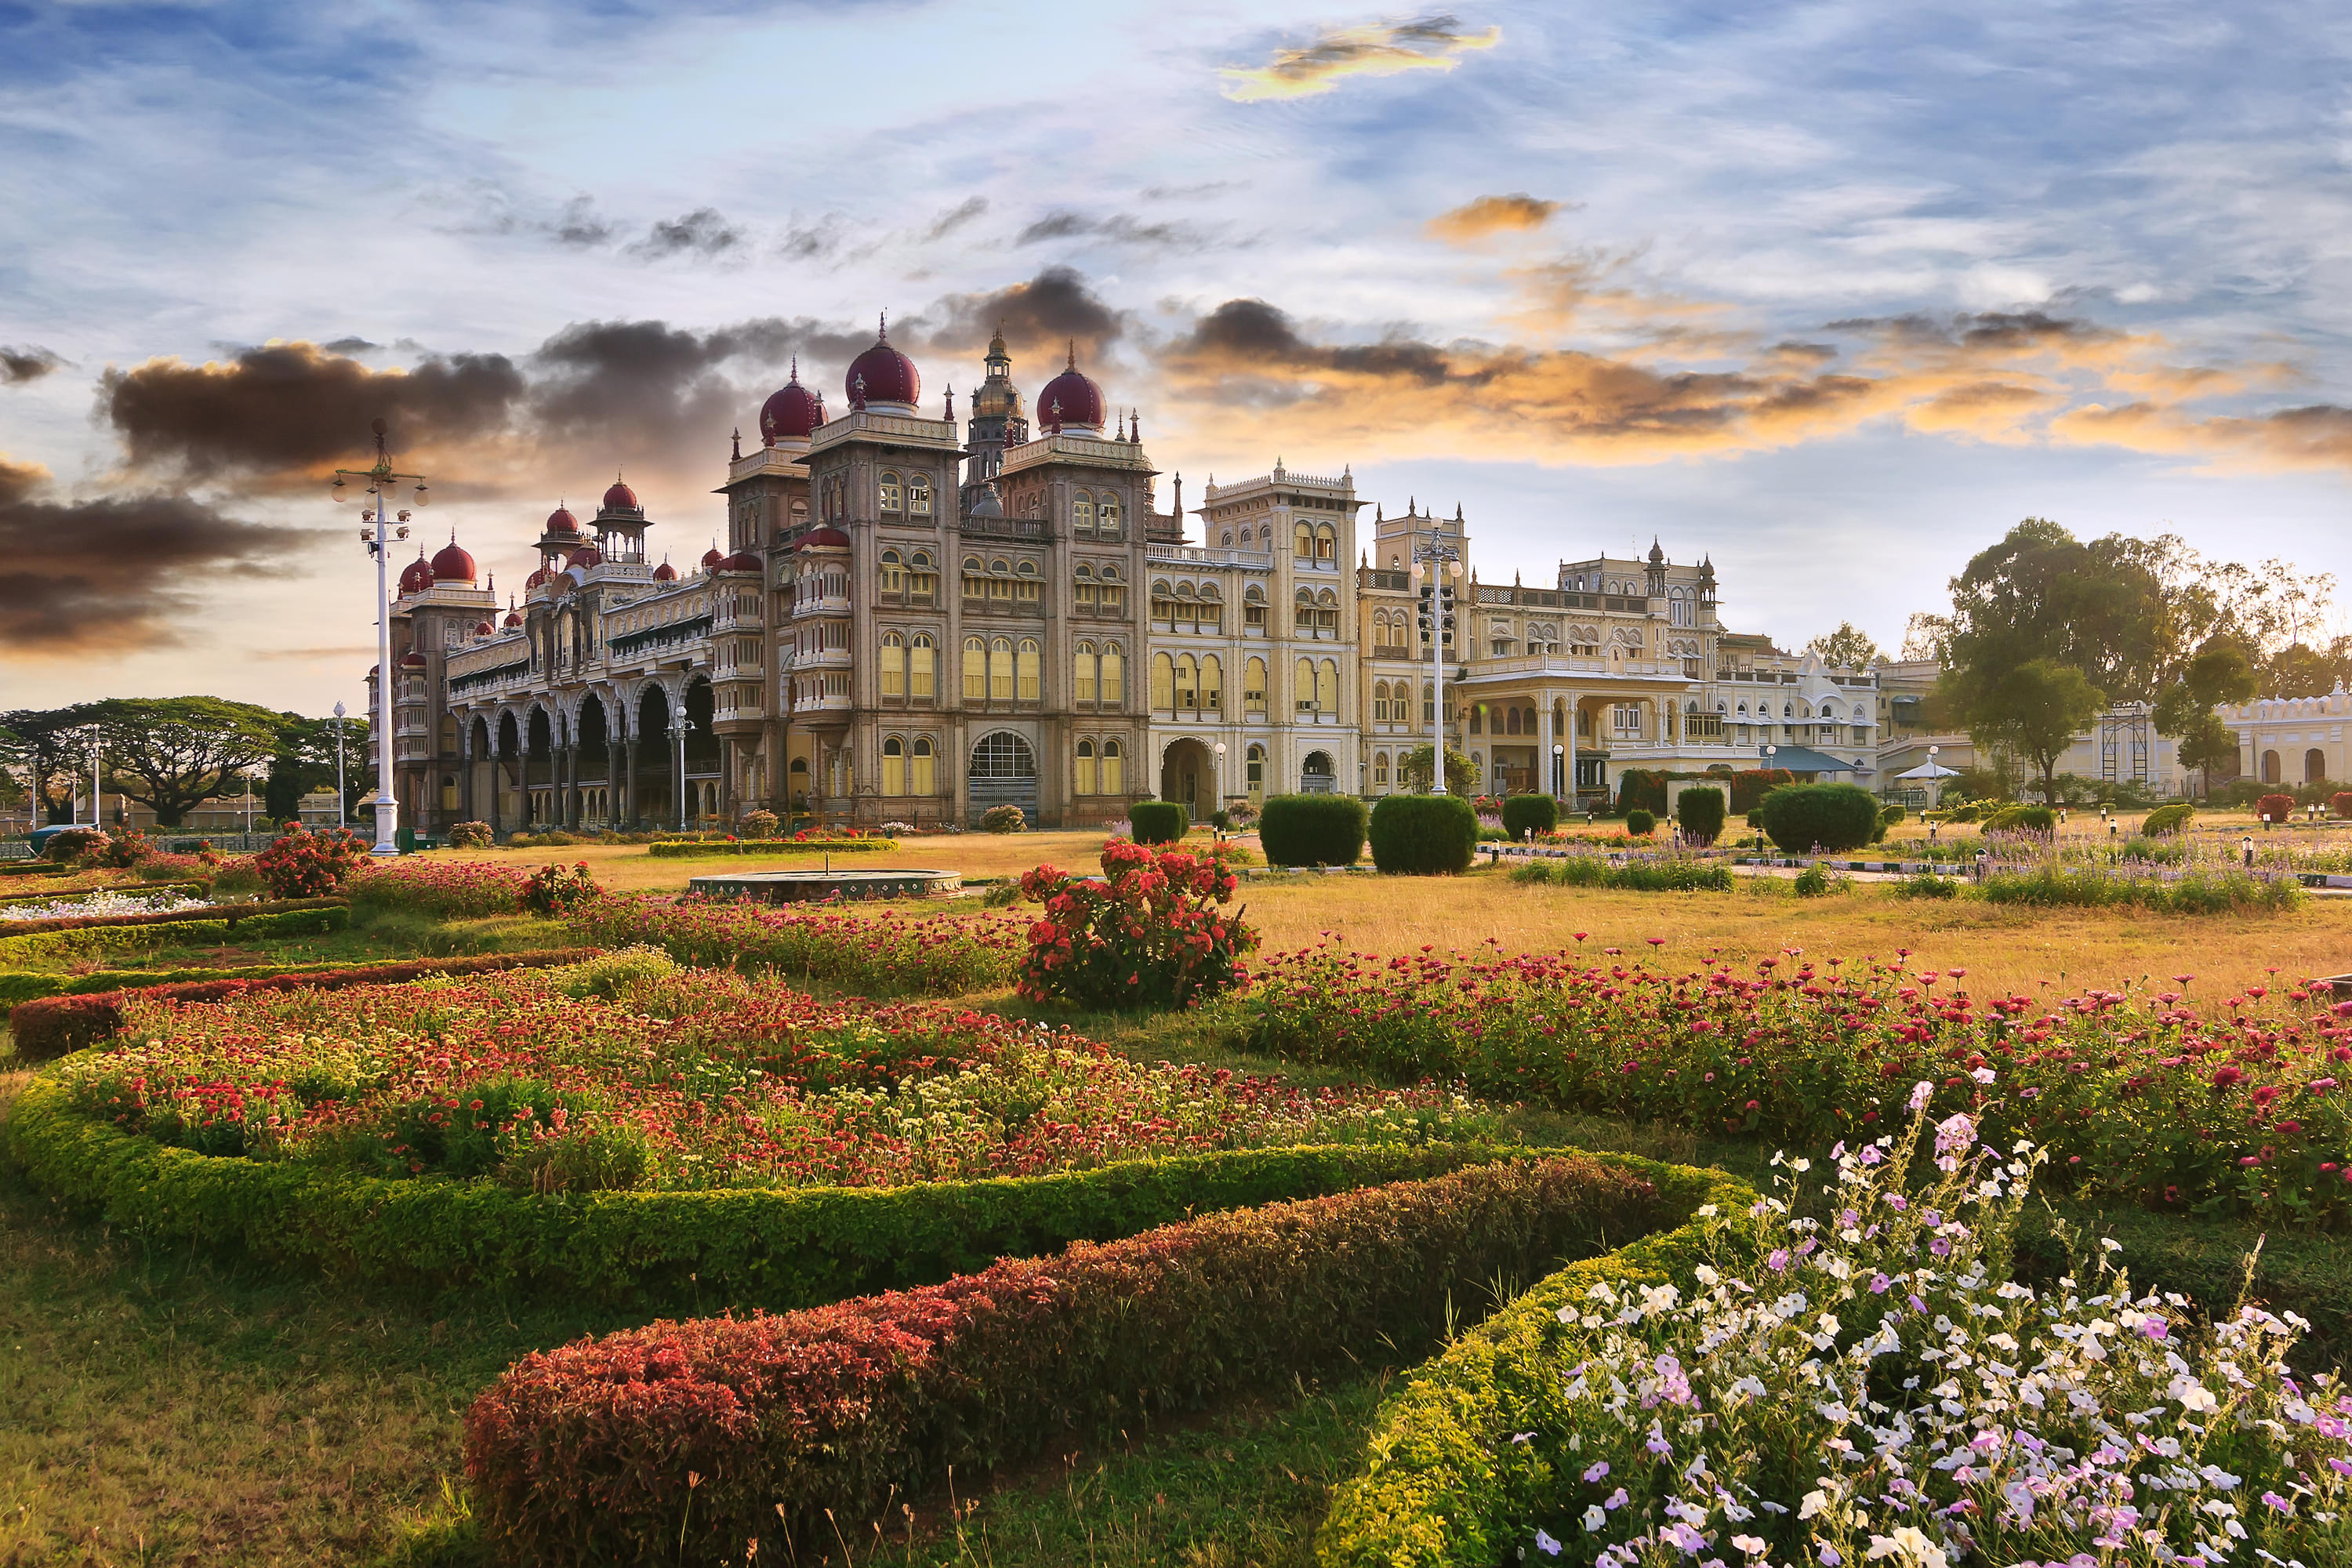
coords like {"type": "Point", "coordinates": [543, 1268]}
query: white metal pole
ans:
{"type": "Point", "coordinates": [342, 816]}
{"type": "Point", "coordinates": [386, 809]}
{"type": "Point", "coordinates": [97, 795]}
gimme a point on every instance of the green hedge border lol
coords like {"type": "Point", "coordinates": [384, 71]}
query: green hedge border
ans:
{"type": "Point", "coordinates": [776, 1248]}
{"type": "Point", "coordinates": [689, 849]}
{"type": "Point", "coordinates": [1443, 1485]}
{"type": "Point", "coordinates": [84, 940]}
{"type": "Point", "coordinates": [37, 985]}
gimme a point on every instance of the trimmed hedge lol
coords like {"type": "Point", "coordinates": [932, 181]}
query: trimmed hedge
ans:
{"type": "Point", "coordinates": [930, 955]}
{"type": "Point", "coordinates": [2022, 819]}
{"type": "Point", "coordinates": [2166, 819]}
{"type": "Point", "coordinates": [77, 895]}
{"type": "Point", "coordinates": [2278, 808]}
{"type": "Point", "coordinates": [694, 848]}
{"type": "Point", "coordinates": [1312, 830]}
{"type": "Point", "coordinates": [729, 1247]}
{"type": "Point", "coordinates": [55, 1027]}
{"type": "Point", "coordinates": [1527, 814]}
{"type": "Point", "coordinates": [230, 912]}
{"type": "Point", "coordinates": [1835, 816]}
{"type": "Point", "coordinates": [1424, 835]}
{"type": "Point", "coordinates": [1671, 876]}
{"type": "Point", "coordinates": [1641, 823]}
{"type": "Point", "coordinates": [1159, 821]}
{"type": "Point", "coordinates": [1701, 812]}
{"type": "Point", "coordinates": [1750, 786]}
{"type": "Point", "coordinates": [1443, 1485]}
{"type": "Point", "coordinates": [691, 1439]}
{"type": "Point", "coordinates": [1642, 789]}
{"type": "Point", "coordinates": [35, 985]}
{"type": "Point", "coordinates": [81, 940]}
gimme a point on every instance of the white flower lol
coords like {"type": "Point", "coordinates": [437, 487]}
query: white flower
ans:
{"type": "Point", "coordinates": [1751, 1544]}
{"type": "Point", "coordinates": [1814, 1502]}
{"type": "Point", "coordinates": [1595, 1517]}
{"type": "Point", "coordinates": [1913, 1546]}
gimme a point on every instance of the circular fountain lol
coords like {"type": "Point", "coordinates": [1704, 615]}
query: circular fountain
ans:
{"type": "Point", "coordinates": [802, 887]}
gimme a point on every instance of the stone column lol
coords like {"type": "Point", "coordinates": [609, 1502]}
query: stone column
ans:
{"type": "Point", "coordinates": [1567, 763]}
{"type": "Point", "coordinates": [1543, 750]}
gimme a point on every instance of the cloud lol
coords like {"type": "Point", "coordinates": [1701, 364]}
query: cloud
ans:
{"type": "Point", "coordinates": [1038, 317]}
{"type": "Point", "coordinates": [2317, 437]}
{"type": "Point", "coordinates": [1376, 48]}
{"type": "Point", "coordinates": [579, 226]}
{"type": "Point", "coordinates": [108, 574]}
{"type": "Point", "coordinates": [702, 232]}
{"type": "Point", "coordinates": [954, 219]}
{"type": "Point", "coordinates": [1121, 228]}
{"type": "Point", "coordinates": [28, 363]}
{"type": "Point", "coordinates": [1476, 220]}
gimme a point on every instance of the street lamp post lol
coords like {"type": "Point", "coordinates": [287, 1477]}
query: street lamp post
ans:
{"type": "Point", "coordinates": [342, 816]}
{"type": "Point", "coordinates": [377, 483]}
{"type": "Point", "coordinates": [1437, 587]}
{"type": "Point", "coordinates": [1559, 767]}
{"type": "Point", "coordinates": [680, 727]}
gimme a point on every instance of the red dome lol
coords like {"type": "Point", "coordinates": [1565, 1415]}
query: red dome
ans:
{"type": "Point", "coordinates": [535, 579]}
{"type": "Point", "coordinates": [484, 629]}
{"type": "Point", "coordinates": [416, 576]}
{"type": "Point", "coordinates": [665, 573]}
{"type": "Point", "coordinates": [620, 498]}
{"type": "Point", "coordinates": [586, 555]}
{"type": "Point", "coordinates": [882, 374]}
{"type": "Point", "coordinates": [413, 661]}
{"type": "Point", "coordinates": [711, 558]}
{"type": "Point", "coordinates": [514, 619]}
{"type": "Point", "coordinates": [1071, 398]}
{"type": "Point", "coordinates": [560, 521]}
{"type": "Point", "coordinates": [451, 565]}
{"type": "Point", "coordinates": [792, 414]}
{"type": "Point", "coordinates": [742, 560]}
{"type": "Point", "coordinates": [826, 537]}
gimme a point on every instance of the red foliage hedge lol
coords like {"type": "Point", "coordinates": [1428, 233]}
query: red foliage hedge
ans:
{"type": "Point", "coordinates": [2276, 808]}
{"type": "Point", "coordinates": [229, 912]}
{"type": "Point", "coordinates": [685, 1440]}
{"type": "Point", "coordinates": [54, 1026]}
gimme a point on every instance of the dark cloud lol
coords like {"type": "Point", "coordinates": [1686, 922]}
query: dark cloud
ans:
{"type": "Point", "coordinates": [30, 363]}
{"type": "Point", "coordinates": [1251, 332]}
{"type": "Point", "coordinates": [1120, 229]}
{"type": "Point", "coordinates": [349, 346]}
{"type": "Point", "coordinates": [956, 217]}
{"type": "Point", "coordinates": [1380, 49]}
{"type": "Point", "coordinates": [1038, 318]}
{"type": "Point", "coordinates": [115, 572]}
{"type": "Point", "coordinates": [294, 409]}
{"type": "Point", "coordinates": [811, 241]}
{"type": "Point", "coordinates": [1988, 331]}
{"type": "Point", "coordinates": [702, 232]}
{"type": "Point", "coordinates": [580, 228]}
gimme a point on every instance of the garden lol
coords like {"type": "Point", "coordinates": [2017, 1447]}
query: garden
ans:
{"type": "Point", "coordinates": [1153, 1203]}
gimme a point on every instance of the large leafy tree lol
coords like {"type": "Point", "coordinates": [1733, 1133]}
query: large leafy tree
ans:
{"type": "Point", "coordinates": [2217, 673]}
{"type": "Point", "coordinates": [174, 754]}
{"type": "Point", "coordinates": [1848, 647]}
{"type": "Point", "coordinates": [2033, 711]}
{"type": "Point", "coordinates": [2105, 608]}
{"type": "Point", "coordinates": [51, 751]}
{"type": "Point", "coordinates": [1462, 774]}
{"type": "Point", "coordinates": [304, 761]}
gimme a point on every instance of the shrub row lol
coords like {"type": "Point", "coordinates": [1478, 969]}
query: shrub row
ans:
{"type": "Point", "coordinates": [18, 986]}
{"type": "Point", "coordinates": [2197, 891]}
{"type": "Point", "coordinates": [229, 912]}
{"type": "Point", "coordinates": [699, 1436]}
{"type": "Point", "coordinates": [1640, 876]}
{"type": "Point", "coordinates": [691, 848]}
{"type": "Point", "coordinates": [1424, 835]}
{"type": "Point", "coordinates": [1443, 1482]}
{"type": "Point", "coordinates": [1312, 830]}
{"type": "Point", "coordinates": [81, 941]}
{"type": "Point", "coordinates": [935, 955]}
{"type": "Point", "coordinates": [55, 1027]}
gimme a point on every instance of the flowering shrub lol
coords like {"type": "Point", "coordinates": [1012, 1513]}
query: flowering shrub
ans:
{"type": "Point", "coordinates": [119, 850]}
{"type": "Point", "coordinates": [2275, 808]}
{"type": "Point", "coordinates": [881, 955]}
{"type": "Point", "coordinates": [472, 835]}
{"type": "Point", "coordinates": [452, 890]}
{"type": "Point", "coordinates": [697, 1437]}
{"type": "Point", "coordinates": [612, 1074]}
{"type": "Point", "coordinates": [72, 844]}
{"type": "Point", "coordinates": [1853, 1378]}
{"type": "Point", "coordinates": [106, 903]}
{"type": "Point", "coordinates": [760, 824]}
{"type": "Point", "coordinates": [1650, 874]}
{"type": "Point", "coordinates": [306, 865]}
{"type": "Point", "coordinates": [1147, 935]}
{"type": "Point", "coordinates": [551, 891]}
{"type": "Point", "coordinates": [2138, 1096]}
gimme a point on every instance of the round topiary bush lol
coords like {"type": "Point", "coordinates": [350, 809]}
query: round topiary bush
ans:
{"type": "Point", "coordinates": [760, 824]}
{"type": "Point", "coordinates": [1159, 821]}
{"type": "Point", "coordinates": [1640, 823]}
{"type": "Point", "coordinates": [2275, 807]}
{"type": "Point", "coordinates": [1004, 819]}
{"type": "Point", "coordinates": [471, 836]}
{"type": "Point", "coordinates": [2340, 802]}
{"type": "Point", "coordinates": [1312, 830]}
{"type": "Point", "coordinates": [2167, 819]}
{"type": "Point", "coordinates": [1833, 816]}
{"type": "Point", "coordinates": [1526, 814]}
{"type": "Point", "coordinates": [1700, 813]}
{"type": "Point", "coordinates": [1424, 835]}
{"type": "Point", "coordinates": [2022, 819]}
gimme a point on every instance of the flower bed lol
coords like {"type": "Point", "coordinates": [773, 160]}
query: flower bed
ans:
{"type": "Point", "coordinates": [2138, 1096]}
{"type": "Point", "coordinates": [86, 1008]}
{"type": "Point", "coordinates": [1866, 1387]}
{"type": "Point", "coordinates": [1652, 874]}
{"type": "Point", "coordinates": [232, 912]}
{"type": "Point", "coordinates": [55, 939]}
{"type": "Point", "coordinates": [884, 955]}
{"type": "Point", "coordinates": [677, 848]}
{"type": "Point", "coordinates": [453, 889]}
{"type": "Point", "coordinates": [168, 899]}
{"type": "Point", "coordinates": [708, 1434]}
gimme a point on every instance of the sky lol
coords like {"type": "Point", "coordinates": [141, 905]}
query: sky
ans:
{"type": "Point", "coordinates": [1833, 293]}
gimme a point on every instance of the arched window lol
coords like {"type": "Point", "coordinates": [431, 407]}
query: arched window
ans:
{"type": "Point", "coordinates": [1254, 686]}
{"type": "Point", "coordinates": [1114, 676]}
{"type": "Point", "coordinates": [919, 495]}
{"type": "Point", "coordinates": [894, 766]}
{"type": "Point", "coordinates": [893, 496]}
{"type": "Point", "coordinates": [1082, 674]}
{"type": "Point", "coordinates": [1000, 670]}
{"type": "Point", "coordinates": [1428, 703]}
{"type": "Point", "coordinates": [1213, 683]}
{"type": "Point", "coordinates": [1164, 683]}
{"type": "Point", "coordinates": [924, 777]}
{"type": "Point", "coordinates": [1114, 768]}
{"type": "Point", "coordinates": [1086, 768]}
{"type": "Point", "coordinates": [1302, 677]}
{"type": "Point", "coordinates": [1255, 764]}
{"type": "Point", "coordinates": [1227, 538]}
{"type": "Point", "coordinates": [1188, 690]}
{"type": "Point", "coordinates": [894, 665]}
{"type": "Point", "coordinates": [1254, 608]}
{"type": "Point", "coordinates": [1303, 543]}
{"type": "Point", "coordinates": [1082, 513]}
{"type": "Point", "coordinates": [1030, 663]}
{"type": "Point", "coordinates": [922, 576]}
{"type": "Point", "coordinates": [975, 577]}
{"type": "Point", "coordinates": [975, 669]}
{"type": "Point", "coordinates": [921, 655]}
{"type": "Point", "coordinates": [1326, 543]}
{"type": "Point", "coordinates": [1107, 520]}
{"type": "Point", "coordinates": [1026, 582]}
{"type": "Point", "coordinates": [1380, 769]}
{"type": "Point", "coordinates": [1380, 702]}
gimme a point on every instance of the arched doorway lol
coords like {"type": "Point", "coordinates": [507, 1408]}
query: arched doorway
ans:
{"type": "Point", "coordinates": [1188, 775]}
{"type": "Point", "coordinates": [1316, 775]}
{"type": "Point", "coordinates": [1003, 772]}
{"type": "Point", "coordinates": [591, 762]}
{"type": "Point", "coordinates": [539, 768]}
{"type": "Point", "coordinates": [2314, 766]}
{"type": "Point", "coordinates": [704, 764]}
{"type": "Point", "coordinates": [2270, 767]}
{"type": "Point", "coordinates": [508, 773]}
{"type": "Point", "coordinates": [655, 760]}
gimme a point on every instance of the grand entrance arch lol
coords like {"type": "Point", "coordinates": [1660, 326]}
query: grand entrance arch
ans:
{"type": "Point", "coordinates": [1003, 772]}
{"type": "Point", "coordinates": [1188, 775]}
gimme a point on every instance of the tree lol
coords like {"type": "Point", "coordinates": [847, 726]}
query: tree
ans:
{"type": "Point", "coordinates": [2209, 745]}
{"type": "Point", "coordinates": [2034, 709]}
{"type": "Point", "coordinates": [2299, 669]}
{"type": "Point", "coordinates": [2219, 672]}
{"type": "Point", "coordinates": [304, 761]}
{"type": "Point", "coordinates": [1848, 647]}
{"type": "Point", "coordinates": [1928, 638]}
{"type": "Point", "coordinates": [2104, 608]}
{"type": "Point", "coordinates": [52, 750]}
{"type": "Point", "coordinates": [174, 754]}
{"type": "Point", "coordinates": [1462, 774]}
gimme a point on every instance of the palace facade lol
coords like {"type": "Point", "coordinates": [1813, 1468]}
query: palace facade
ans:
{"type": "Point", "coordinates": [915, 618]}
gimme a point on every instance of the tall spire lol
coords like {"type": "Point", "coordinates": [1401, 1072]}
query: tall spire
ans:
{"type": "Point", "coordinates": [1073, 353]}
{"type": "Point", "coordinates": [882, 331]}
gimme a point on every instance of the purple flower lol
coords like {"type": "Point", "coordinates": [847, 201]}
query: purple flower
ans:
{"type": "Point", "coordinates": [1546, 1544]}
{"type": "Point", "coordinates": [1778, 1261]}
{"type": "Point", "coordinates": [2152, 1327]}
{"type": "Point", "coordinates": [1598, 1470]}
{"type": "Point", "coordinates": [1617, 1499]}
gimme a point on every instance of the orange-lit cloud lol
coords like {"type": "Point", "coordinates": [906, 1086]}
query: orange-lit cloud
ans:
{"type": "Point", "coordinates": [1473, 221]}
{"type": "Point", "coordinates": [2319, 436]}
{"type": "Point", "coordinates": [1378, 48]}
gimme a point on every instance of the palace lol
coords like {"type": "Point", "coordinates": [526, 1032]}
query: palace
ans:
{"type": "Point", "coordinates": [914, 620]}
